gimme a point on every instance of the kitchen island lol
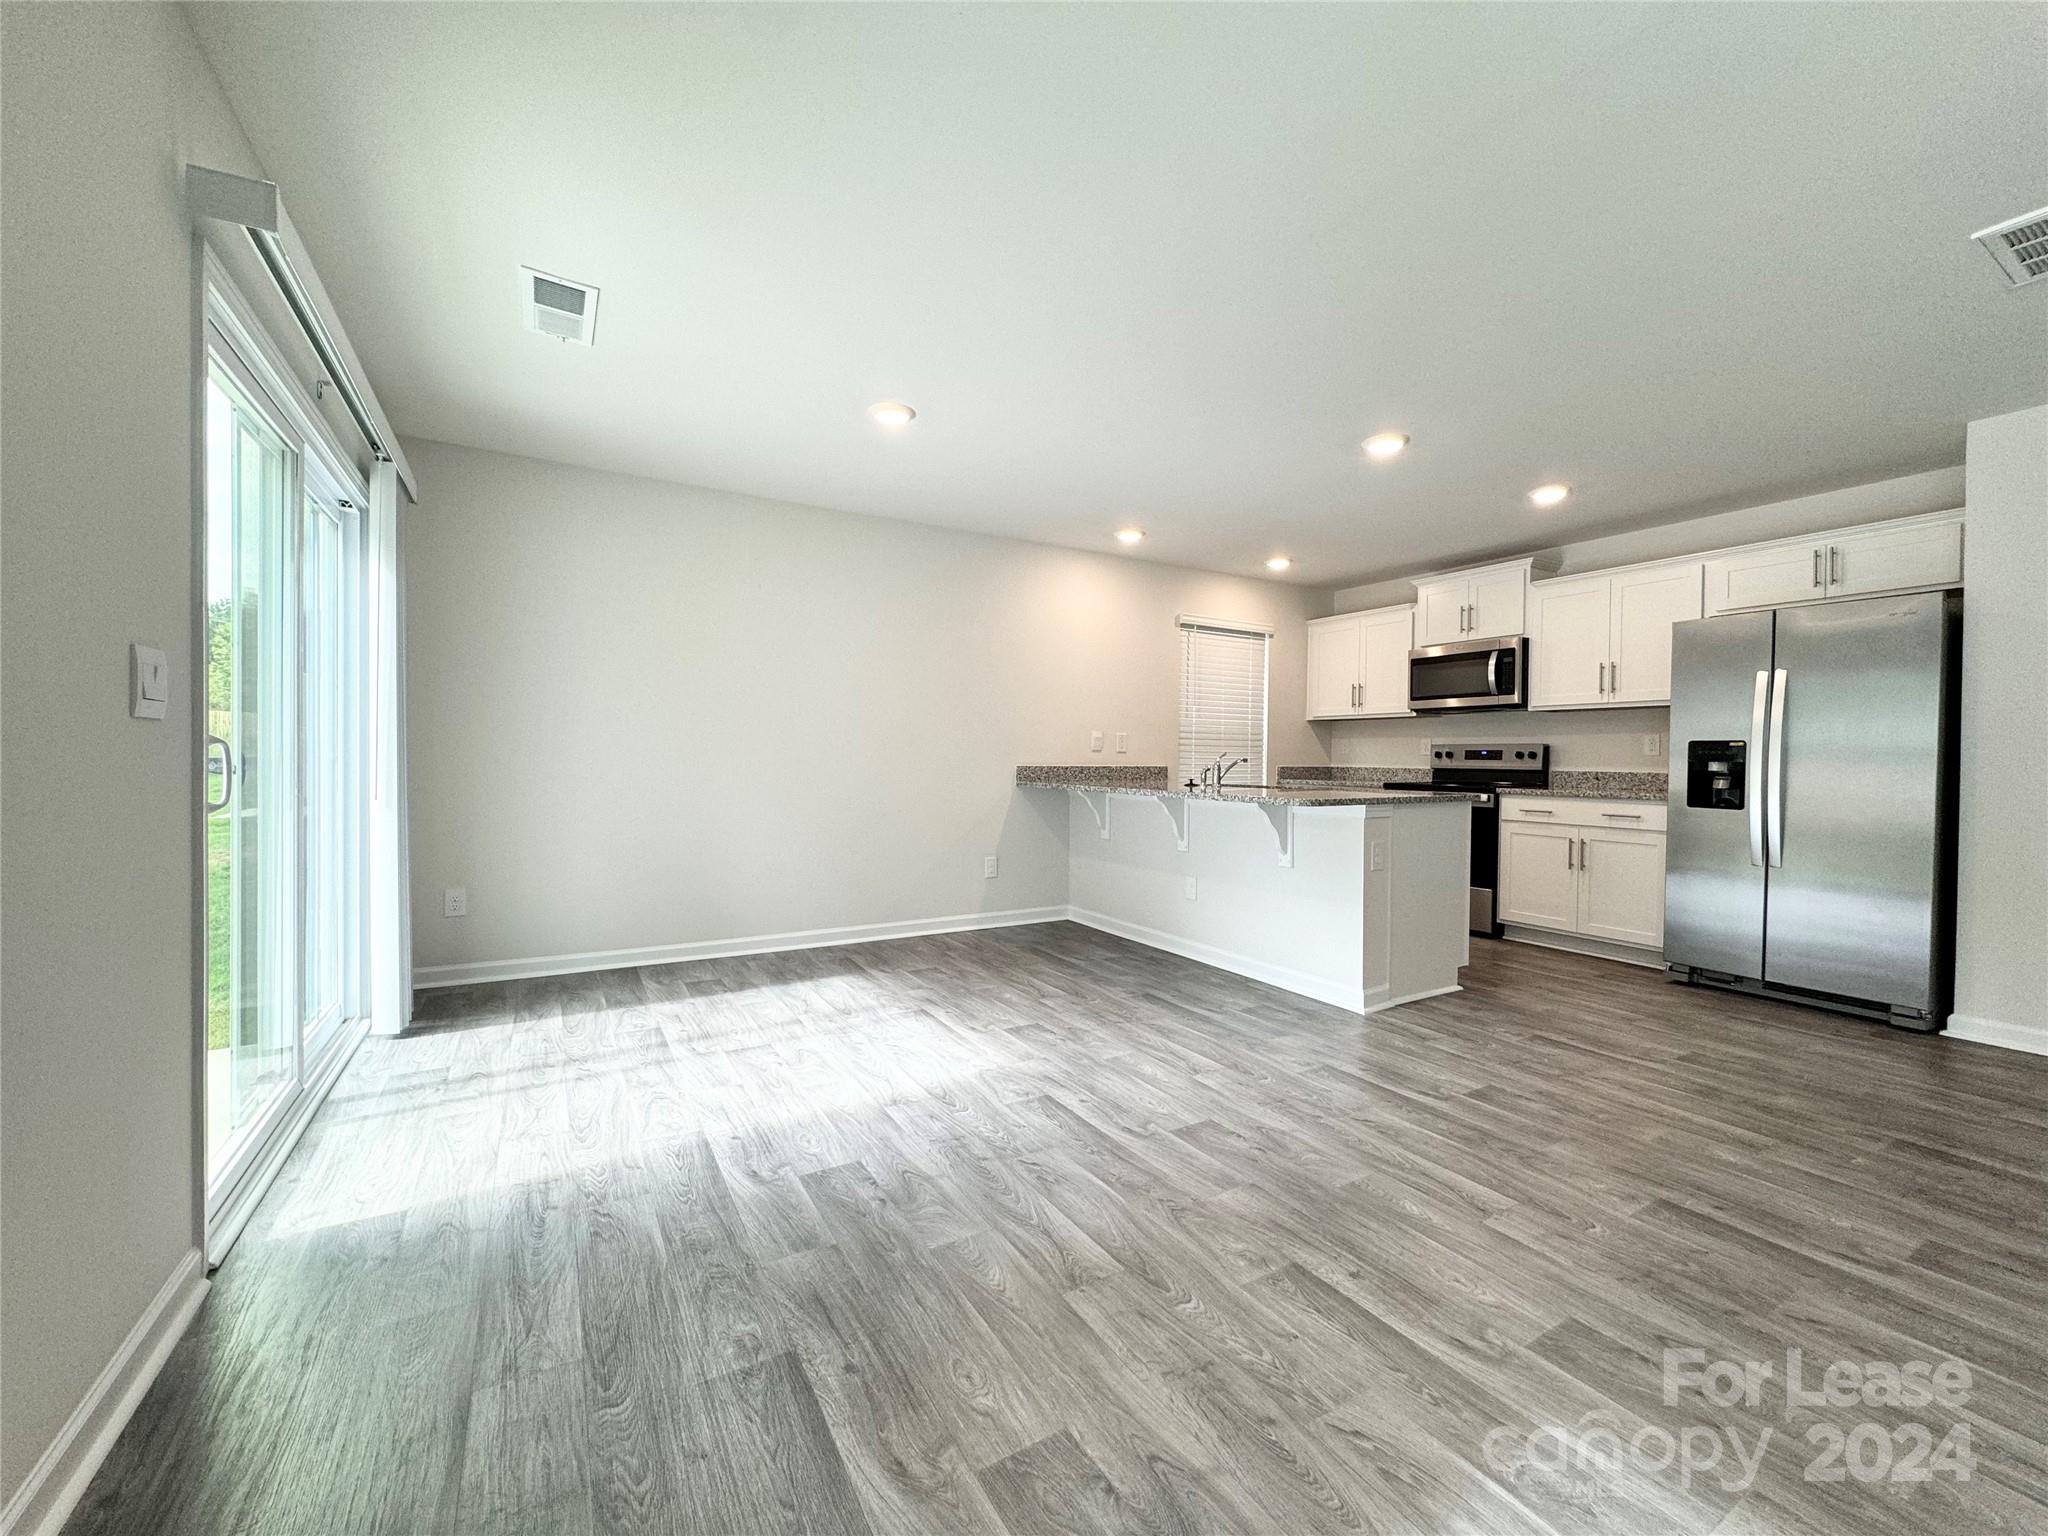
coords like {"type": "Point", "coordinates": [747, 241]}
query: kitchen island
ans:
{"type": "Point", "coordinates": [1353, 895]}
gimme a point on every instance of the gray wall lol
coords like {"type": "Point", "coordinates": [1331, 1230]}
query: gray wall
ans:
{"type": "Point", "coordinates": [100, 108]}
{"type": "Point", "coordinates": [2002, 900]}
{"type": "Point", "coordinates": [1614, 738]}
{"type": "Point", "coordinates": [643, 714]}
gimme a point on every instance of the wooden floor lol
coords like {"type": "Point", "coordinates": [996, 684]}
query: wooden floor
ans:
{"type": "Point", "coordinates": [1038, 1230]}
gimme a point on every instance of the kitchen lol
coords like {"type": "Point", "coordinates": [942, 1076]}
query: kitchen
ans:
{"type": "Point", "coordinates": [1580, 858]}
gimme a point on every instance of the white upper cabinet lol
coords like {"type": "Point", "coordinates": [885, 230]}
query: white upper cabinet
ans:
{"type": "Point", "coordinates": [1482, 604]}
{"type": "Point", "coordinates": [1895, 559]}
{"type": "Point", "coordinates": [1333, 666]}
{"type": "Point", "coordinates": [1891, 557]}
{"type": "Point", "coordinates": [1647, 602]}
{"type": "Point", "coordinates": [1383, 674]}
{"type": "Point", "coordinates": [1604, 640]}
{"type": "Point", "coordinates": [1440, 609]}
{"type": "Point", "coordinates": [1500, 601]}
{"type": "Point", "coordinates": [1358, 664]}
{"type": "Point", "coordinates": [1570, 628]}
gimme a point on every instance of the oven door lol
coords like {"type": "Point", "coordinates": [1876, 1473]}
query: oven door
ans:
{"type": "Point", "coordinates": [1467, 674]}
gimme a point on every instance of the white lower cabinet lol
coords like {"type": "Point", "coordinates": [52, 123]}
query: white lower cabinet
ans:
{"type": "Point", "coordinates": [1588, 867]}
{"type": "Point", "coordinates": [1539, 875]}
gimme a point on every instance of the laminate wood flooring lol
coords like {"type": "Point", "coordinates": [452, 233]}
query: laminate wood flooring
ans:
{"type": "Point", "coordinates": [1040, 1231]}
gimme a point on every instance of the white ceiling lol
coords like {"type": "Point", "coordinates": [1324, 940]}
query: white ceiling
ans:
{"type": "Point", "coordinates": [1169, 264]}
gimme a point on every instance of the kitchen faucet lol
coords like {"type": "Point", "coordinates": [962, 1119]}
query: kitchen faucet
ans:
{"type": "Point", "coordinates": [1214, 775]}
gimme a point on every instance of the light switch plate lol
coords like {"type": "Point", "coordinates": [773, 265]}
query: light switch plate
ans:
{"type": "Point", "coordinates": [1095, 741]}
{"type": "Point", "coordinates": [149, 682]}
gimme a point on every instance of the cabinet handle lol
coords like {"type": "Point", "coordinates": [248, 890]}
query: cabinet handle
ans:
{"type": "Point", "coordinates": [1568, 860]}
{"type": "Point", "coordinates": [1614, 677]}
{"type": "Point", "coordinates": [1621, 815]}
{"type": "Point", "coordinates": [1816, 565]}
{"type": "Point", "coordinates": [1582, 855]}
{"type": "Point", "coordinates": [1834, 566]}
{"type": "Point", "coordinates": [1534, 810]}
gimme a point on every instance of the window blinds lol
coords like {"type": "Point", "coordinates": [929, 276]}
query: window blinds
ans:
{"type": "Point", "coordinates": [1222, 700]}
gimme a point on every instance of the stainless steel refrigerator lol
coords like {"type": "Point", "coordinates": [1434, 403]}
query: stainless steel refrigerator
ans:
{"type": "Point", "coordinates": [1812, 804]}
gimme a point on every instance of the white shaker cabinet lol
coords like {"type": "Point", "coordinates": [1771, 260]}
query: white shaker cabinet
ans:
{"type": "Point", "coordinates": [1358, 664]}
{"type": "Point", "coordinates": [1594, 868]}
{"type": "Point", "coordinates": [1480, 604]}
{"type": "Point", "coordinates": [1912, 554]}
{"type": "Point", "coordinates": [1604, 640]}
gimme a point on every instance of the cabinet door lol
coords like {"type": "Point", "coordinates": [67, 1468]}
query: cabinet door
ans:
{"type": "Point", "coordinates": [1333, 671]}
{"type": "Point", "coordinates": [1767, 577]}
{"type": "Point", "coordinates": [1896, 559]}
{"type": "Point", "coordinates": [1621, 895]}
{"type": "Point", "coordinates": [1499, 603]}
{"type": "Point", "coordinates": [1386, 639]}
{"type": "Point", "coordinates": [1440, 612]}
{"type": "Point", "coordinates": [1569, 628]}
{"type": "Point", "coordinates": [1646, 605]}
{"type": "Point", "coordinates": [1538, 875]}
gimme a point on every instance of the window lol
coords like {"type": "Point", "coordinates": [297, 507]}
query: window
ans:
{"type": "Point", "coordinates": [1223, 698]}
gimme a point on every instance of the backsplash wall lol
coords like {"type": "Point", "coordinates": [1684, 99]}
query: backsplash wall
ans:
{"type": "Point", "coordinates": [1579, 738]}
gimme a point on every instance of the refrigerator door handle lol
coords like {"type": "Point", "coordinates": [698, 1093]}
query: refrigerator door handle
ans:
{"type": "Point", "coordinates": [1753, 789]}
{"type": "Point", "coordinates": [1775, 794]}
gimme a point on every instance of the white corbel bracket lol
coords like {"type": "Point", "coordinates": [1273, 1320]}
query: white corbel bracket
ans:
{"type": "Point", "coordinates": [1097, 801]}
{"type": "Point", "coordinates": [1281, 819]}
{"type": "Point", "coordinates": [1178, 810]}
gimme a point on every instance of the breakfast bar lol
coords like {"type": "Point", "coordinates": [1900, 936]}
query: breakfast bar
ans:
{"type": "Point", "coordinates": [1354, 896]}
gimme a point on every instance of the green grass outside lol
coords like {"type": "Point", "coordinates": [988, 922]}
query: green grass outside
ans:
{"type": "Point", "coordinates": [218, 930]}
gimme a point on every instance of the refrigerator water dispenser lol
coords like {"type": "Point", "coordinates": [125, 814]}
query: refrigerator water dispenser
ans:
{"type": "Point", "coordinates": [1715, 772]}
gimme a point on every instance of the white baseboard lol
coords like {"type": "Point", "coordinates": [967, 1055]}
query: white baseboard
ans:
{"type": "Point", "coordinates": [1579, 944]}
{"type": "Point", "coordinates": [1317, 987]}
{"type": "Point", "coordinates": [719, 949]}
{"type": "Point", "coordinates": [2032, 1038]}
{"type": "Point", "coordinates": [57, 1481]}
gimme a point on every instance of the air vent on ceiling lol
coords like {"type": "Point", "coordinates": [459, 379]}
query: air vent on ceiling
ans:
{"type": "Point", "coordinates": [2019, 246]}
{"type": "Point", "coordinates": [558, 307]}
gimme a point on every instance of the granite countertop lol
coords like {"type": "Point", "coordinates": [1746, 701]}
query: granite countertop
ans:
{"type": "Point", "coordinates": [1156, 782]}
{"type": "Point", "coordinates": [1587, 784]}
{"type": "Point", "coordinates": [1565, 783]}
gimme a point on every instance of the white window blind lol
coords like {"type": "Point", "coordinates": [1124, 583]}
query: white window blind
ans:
{"type": "Point", "coordinates": [1222, 699]}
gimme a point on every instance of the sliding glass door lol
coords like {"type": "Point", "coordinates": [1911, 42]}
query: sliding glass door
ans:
{"type": "Point", "coordinates": [284, 784]}
{"type": "Point", "coordinates": [253, 477]}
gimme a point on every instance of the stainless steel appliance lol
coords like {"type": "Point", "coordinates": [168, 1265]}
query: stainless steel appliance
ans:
{"type": "Point", "coordinates": [1486, 767]}
{"type": "Point", "coordinates": [1468, 674]}
{"type": "Point", "coordinates": [1811, 843]}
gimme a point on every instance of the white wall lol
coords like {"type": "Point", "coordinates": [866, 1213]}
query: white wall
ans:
{"type": "Point", "coordinates": [100, 108]}
{"type": "Point", "coordinates": [644, 714]}
{"type": "Point", "coordinates": [1613, 739]}
{"type": "Point", "coordinates": [2002, 895]}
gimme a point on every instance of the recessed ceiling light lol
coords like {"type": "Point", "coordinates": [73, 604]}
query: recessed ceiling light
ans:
{"type": "Point", "coordinates": [1384, 445]}
{"type": "Point", "coordinates": [893, 413]}
{"type": "Point", "coordinates": [1549, 495]}
{"type": "Point", "coordinates": [1130, 535]}
{"type": "Point", "coordinates": [1278, 563]}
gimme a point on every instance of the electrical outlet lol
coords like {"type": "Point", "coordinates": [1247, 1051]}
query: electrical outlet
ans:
{"type": "Point", "coordinates": [1653, 745]}
{"type": "Point", "coordinates": [1191, 887]}
{"type": "Point", "coordinates": [1095, 741]}
{"type": "Point", "coordinates": [455, 901]}
{"type": "Point", "coordinates": [989, 867]}
{"type": "Point", "coordinates": [1123, 741]}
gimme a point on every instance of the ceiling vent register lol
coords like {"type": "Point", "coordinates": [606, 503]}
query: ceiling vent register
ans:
{"type": "Point", "coordinates": [2019, 246]}
{"type": "Point", "coordinates": [558, 306]}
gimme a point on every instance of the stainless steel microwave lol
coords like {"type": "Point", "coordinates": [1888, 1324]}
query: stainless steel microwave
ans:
{"type": "Point", "coordinates": [1468, 674]}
